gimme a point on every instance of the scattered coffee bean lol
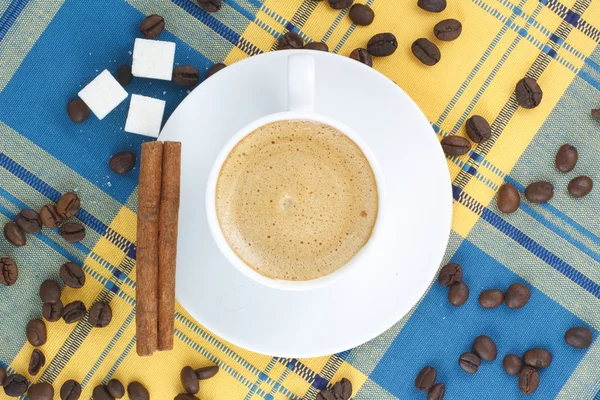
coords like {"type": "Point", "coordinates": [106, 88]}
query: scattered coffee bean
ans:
{"type": "Point", "coordinates": [68, 205]}
{"type": "Point", "coordinates": [579, 338]}
{"type": "Point", "coordinates": [539, 192]}
{"type": "Point", "coordinates": [450, 274]}
{"type": "Point", "coordinates": [52, 312]}
{"type": "Point", "coordinates": [115, 388]}
{"type": "Point", "coordinates": [152, 26]}
{"type": "Point", "coordinates": [49, 291]}
{"type": "Point", "coordinates": [210, 5]}
{"type": "Point", "coordinates": [49, 216]}
{"type": "Point", "coordinates": [458, 294]}
{"type": "Point", "coordinates": [469, 362]}
{"type": "Point", "coordinates": [538, 358]}
{"type": "Point", "coordinates": [447, 30]}
{"type": "Point", "coordinates": [478, 129]}
{"type": "Point", "coordinates": [342, 390]}
{"type": "Point", "coordinates": [325, 395]}
{"type": "Point", "coordinates": [432, 5]}
{"type": "Point", "coordinates": [340, 4]}
{"type": "Point", "coordinates": [455, 145]}
{"type": "Point", "coordinates": [529, 380]}
{"type": "Point", "coordinates": [70, 390]}
{"type": "Point", "coordinates": [36, 332]}
{"type": "Point", "coordinates": [485, 348]}
{"type": "Point", "coordinates": [363, 56]}
{"type": "Point", "coordinates": [596, 113]}
{"type": "Point", "coordinates": [121, 163]}
{"type": "Point", "coordinates": [41, 391]}
{"type": "Point", "coordinates": [320, 46]}
{"type": "Point", "coordinates": [100, 315]}
{"type": "Point", "coordinates": [186, 75]}
{"type": "Point", "coordinates": [426, 379]}
{"type": "Point", "coordinates": [77, 110]}
{"type": "Point", "coordinates": [426, 52]}
{"type": "Point", "coordinates": [137, 391]}
{"type": "Point", "coordinates": [124, 75]}
{"type": "Point", "coordinates": [291, 40]}
{"type": "Point", "coordinates": [72, 275]}
{"type": "Point", "coordinates": [214, 69]}
{"type": "Point", "coordinates": [566, 158]}
{"type": "Point", "coordinates": [2, 375]}
{"type": "Point", "coordinates": [508, 198]}
{"type": "Point", "coordinates": [15, 385]}
{"type": "Point", "coordinates": [74, 312]}
{"type": "Point", "coordinates": [36, 362]}
{"type": "Point", "coordinates": [72, 232]}
{"type": "Point", "coordinates": [512, 364]}
{"type": "Point", "coordinates": [189, 380]}
{"type": "Point", "coordinates": [437, 392]}
{"type": "Point", "coordinates": [207, 372]}
{"type": "Point", "coordinates": [185, 396]}
{"type": "Point", "coordinates": [100, 392]}
{"type": "Point", "coordinates": [491, 298]}
{"type": "Point", "coordinates": [516, 296]}
{"type": "Point", "coordinates": [528, 92]}
{"type": "Point", "coordinates": [9, 272]}
{"type": "Point", "coordinates": [382, 45]}
{"type": "Point", "coordinates": [580, 186]}
{"type": "Point", "coordinates": [14, 234]}
{"type": "Point", "coordinates": [29, 221]}
{"type": "Point", "coordinates": [361, 14]}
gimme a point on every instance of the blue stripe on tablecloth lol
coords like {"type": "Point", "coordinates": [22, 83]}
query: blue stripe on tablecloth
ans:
{"type": "Point", "coordinates": [11, 14]}
{"type": "Point", "coordinates": [242, 10]}
{"type": "Point", "coordinates": [597, 396]}
{"type": "Point", "coordinates": [589, 79]}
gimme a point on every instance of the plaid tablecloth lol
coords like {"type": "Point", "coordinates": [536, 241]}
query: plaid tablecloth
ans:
{"type": "Point", "coordinates": [49, 49]}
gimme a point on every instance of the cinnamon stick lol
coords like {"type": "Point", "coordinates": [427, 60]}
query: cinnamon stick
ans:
{"type": "Point", "coordinates": [167, 245]}
{"type": "Point", "coordinates": [147, 247]}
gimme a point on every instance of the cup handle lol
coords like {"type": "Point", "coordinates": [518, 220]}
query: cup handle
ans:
{"type": "Point", "coordinates": [301, 83]}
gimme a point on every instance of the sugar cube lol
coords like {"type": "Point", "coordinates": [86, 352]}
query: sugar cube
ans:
{"type": "Point", "coordinates": [153, 59]}
{"type": "Point", "coordinates": [145, 115]}
{"type": "Point", "coordinates": [103, 94]}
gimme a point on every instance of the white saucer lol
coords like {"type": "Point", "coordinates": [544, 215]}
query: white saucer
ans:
{"type": "Point", "coordinates": [360, 306]}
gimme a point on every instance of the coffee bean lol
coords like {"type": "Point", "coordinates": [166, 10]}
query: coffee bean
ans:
{"type": "Point", "coordinates": [596, 113]}
{"type": "Point", "coordinates": [325, 395]}
{"type": "Point", "coordinates": [74, 312]}
{"type": "Point", "coordinates": [49, 216]}
{"type": "Point", "coordinates": [49, 291]}
{"type": "Point", "coordinates": [72, 232]}
{"type": "Point", "coordinates": [579, 338]}
{"type": "Point", "coordinates": [291, 40]}
{"type": "Point", "coordinates": [566, 158]}
{"type": "Point", "coordinates": [528, 92]}
{"type": "Point", "coordinates": [342, 390]}
{"type": "Point", "coordinates": [3, 374]}
{"type": "Point", "coordinates": [538, 358]}
{"type": "Point", "coordinates": [210, 5]}
{"type": "Point", "coordinates": [189, 380]}
{"type": "Point", "coordinates": [100, 315]}
{"type": "Point", "coordinates": [15, 385]}
{"type": "Point", "coordinates": [185, 396]}
{"type": "Point", "coordinates": [363, 56]}
{"type": "Point", "coordinates": [136, 391]}
{"type": "Point", "coordinates": [316, 46]}
{"type": "Point", "coordinates": [186, 75]}
{"type": "Point", "coordinates": [361, 14]}
{"type": "Point", "coordinates": [382, 45]}
{"type": "Point", "coordinates": [455, 145]}
{"type": "Point", "coordinates": [508, 198]}
{"type": "Point", "coordinates": [447, 30]}
{"type": "Point", "coordinates": [469, 362]}
{"type": "Point", "coordinates": [36, 362]}
{"type": "Point", "coordinates": [52, 311]}
{"type": "Point", "coordinates": [432, 5]}
{"type": "Point", "coordinates": [72, 275]}
{"type": "Point", "coordinates": [41, 391]}
{"type": "Point", "coordinates": [100, 392]}
{"type": "Point", "coordinates": [478, 129]}
{"type": "Point", "coordinates": [124, 75]}
{"type": "Point", "coordinates": [426, 52]}
{"type": "Point", "coordinates": [115, 388]}
{"type": "Point", "coordinates": [77, 110]}
{"type": "Point", "coordinates": [121, 163]}
{"type": "Point", "coordinates": [152, 26]}
{"type": "Point", "coordinates": [14, 234]}
{"type": "Point", "coordinates": [9, 272]}
{"type": "Point", "coordinates": [580, 186]}
{"type": "Point", "coordinates": [491, 298]}
{"type": "Point", "coordinates": [516, 296]}
{"type": "Point", "coordinates": [68, 205]}
{"type": "Point", "coordinates": [485, 348]}
{"type": "Point", "coordinates": [529, 380]}
{"type": "Point", "coordinates": [458, 294]}
{"type": "Point", "coordinates": [512, 364]}
{"type": "Point", "coordinates": [539, 192]}
{"type": "Point", "coordinates": [437, 392]}
{"type": "Point", "coordinates": [70, 390]}
{"type": "Point", "coordinates": [29, 221]}
{"type": "Point", "coordinates": [36, 332]}
{"type": "Point", "coordinates": [207, 372]}
{"type": "Point", "coordinates": [340, 4]}
{"type": "Point", "coordinates": [426, 379]}
{"type": "Point", "coordinates": [450, 274]}
{"type": "Point", "coordinates": [214, 69]}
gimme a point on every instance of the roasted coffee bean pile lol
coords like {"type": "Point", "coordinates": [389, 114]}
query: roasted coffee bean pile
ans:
{"type": "Point", "coordinates": [425, 382]}
{"type": "Point", "coordinates": [341, 390]}
{"type": "Point", "coordinates": [190, 378]}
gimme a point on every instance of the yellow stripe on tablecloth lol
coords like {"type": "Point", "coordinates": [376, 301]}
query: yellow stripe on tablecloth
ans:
{"type": "Point", "coordinates": [584, 383]}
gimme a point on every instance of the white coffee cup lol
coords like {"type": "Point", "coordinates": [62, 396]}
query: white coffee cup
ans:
{"type": "Point", "coordinates": [301, 102]}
